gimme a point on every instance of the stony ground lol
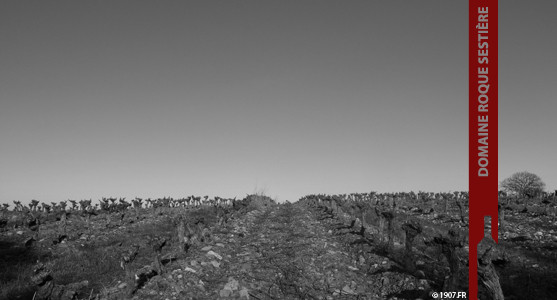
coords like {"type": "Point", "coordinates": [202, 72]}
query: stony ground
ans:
{"type": "Point", "coordinates": [528, 265]}
{"type": "Point", "coordinates": [283, 252]}
{"type": "Point", "coordinates": [287, 251]}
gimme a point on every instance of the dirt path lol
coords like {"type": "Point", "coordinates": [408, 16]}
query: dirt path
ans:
{"type": "Point", "coordinates": [282, 252]}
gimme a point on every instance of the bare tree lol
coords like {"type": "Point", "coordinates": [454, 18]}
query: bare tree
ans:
{"type": "Point", "coordinates": [523, 184]}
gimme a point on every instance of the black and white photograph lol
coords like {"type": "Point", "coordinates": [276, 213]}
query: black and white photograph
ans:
{"type": "Point", "coordinates": [267, 150]}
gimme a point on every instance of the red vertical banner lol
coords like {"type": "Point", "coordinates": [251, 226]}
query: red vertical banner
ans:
{"type": "Point", "coordinates": [483, 128]}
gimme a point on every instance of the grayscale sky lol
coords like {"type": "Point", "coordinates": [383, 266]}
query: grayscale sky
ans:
{"type": "Point", "coordinates": [224, 98]}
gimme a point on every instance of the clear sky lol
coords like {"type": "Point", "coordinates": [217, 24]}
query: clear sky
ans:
{"type": "Point", "coordinates": [224, 98]}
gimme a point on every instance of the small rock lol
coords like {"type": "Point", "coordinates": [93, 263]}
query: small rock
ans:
{"type": "Point", "coordinates": [232, 284]}
{"type": "Point", "coordinates": [29, 242]}
{"type": "Point", "coordinates": [361, 260]}
{"type": "Point", "coordinates": [225, 293]}
{"type": "Point", "coordinates": [143, 275]}
{"type": "Point", "coordinates": [41, 277]}
{"type": "Point", "coordinates": [122, 285]}
{"type": "Point", "coordinates": [244, 294]}
{"type": "Point", "coordinates": [347, 290]}
{"type": "Point", "coordinates": [206, 248]}
{"type": "Point", "coordinates": [211, 253]}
